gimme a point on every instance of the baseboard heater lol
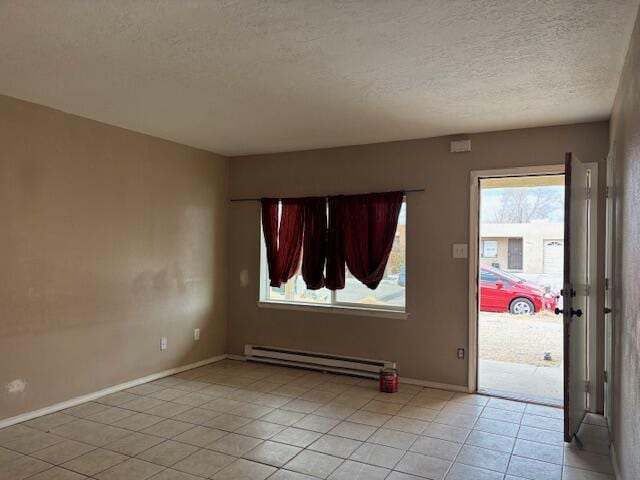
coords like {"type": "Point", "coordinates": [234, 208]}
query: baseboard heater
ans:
{"type": "Point", "coordinates": [316, 361]}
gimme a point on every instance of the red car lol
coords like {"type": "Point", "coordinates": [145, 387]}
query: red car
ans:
{"type": "Point", "coordinates": [503, 292]}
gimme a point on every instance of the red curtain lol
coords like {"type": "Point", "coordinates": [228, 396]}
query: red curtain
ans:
{"type": "Point", "coordinates": [283, 239]}
{"type": "Point", "coordinates": [369, 225]}
{"type": "Point", "coordinates": [335, 245]}
{"type": "Point", "coordinates": [314, 251]}
{"type": "Point", "coordinates": [360, 233]}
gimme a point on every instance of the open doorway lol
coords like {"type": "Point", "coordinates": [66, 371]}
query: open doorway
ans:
{"type": "Point", "coordinates": [520, 276]}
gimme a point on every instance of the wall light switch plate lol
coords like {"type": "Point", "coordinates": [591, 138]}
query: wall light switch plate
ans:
{"type": "Point", "coordinates": [196, 334]}
{"type": "Point", "coordinates": [460, 250]}
{"type": "Point", "coordinates": [163, 343]}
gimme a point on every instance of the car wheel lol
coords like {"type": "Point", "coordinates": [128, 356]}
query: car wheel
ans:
{"type": "Point", "coordinates": [522, 306]}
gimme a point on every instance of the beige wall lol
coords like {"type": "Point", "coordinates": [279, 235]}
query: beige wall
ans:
{"type": "Point", "coordinates": [110, 239]}
{"type": "Point", "coordinates": [424, 345]}
{"type": "Point", "coordinates": [625, 138]}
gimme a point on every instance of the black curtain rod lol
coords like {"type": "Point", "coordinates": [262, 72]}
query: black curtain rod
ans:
{"type": "Point", "coordinates": [411, 190]}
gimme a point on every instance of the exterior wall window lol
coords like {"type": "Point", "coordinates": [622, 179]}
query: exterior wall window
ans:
{"type": "Point", "coordinates": [489, 249]}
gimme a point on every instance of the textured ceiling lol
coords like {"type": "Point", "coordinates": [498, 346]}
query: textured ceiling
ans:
{"type": "Point", "coordinates": [252, 76]}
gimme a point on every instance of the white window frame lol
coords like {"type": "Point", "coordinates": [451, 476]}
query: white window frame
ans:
{"type": "Point", "coordinates": [334, 305]}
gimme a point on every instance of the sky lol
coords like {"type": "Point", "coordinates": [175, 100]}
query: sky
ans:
{"type": "Point", "coordinates": [492, 198]}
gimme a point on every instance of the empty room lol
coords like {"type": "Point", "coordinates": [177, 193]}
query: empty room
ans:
{"type": "Point", "coordinates": [308, 239]}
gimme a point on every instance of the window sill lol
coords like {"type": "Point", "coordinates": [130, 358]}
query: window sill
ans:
{"type": "Point", "coordinates": [342, 310]}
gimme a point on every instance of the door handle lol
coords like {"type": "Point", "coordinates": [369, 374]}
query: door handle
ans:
{"type": "Point", "coordinates": [572, 312]}
{"type": "Point", "coordinates": [607, 310]}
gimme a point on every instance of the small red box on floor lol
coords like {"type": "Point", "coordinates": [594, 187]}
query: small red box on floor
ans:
{"type": "Point", "coordinates": [388, 380]}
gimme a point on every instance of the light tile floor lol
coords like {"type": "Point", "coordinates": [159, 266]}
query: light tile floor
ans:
{"type": "Point", "coordinates": [235, 420]}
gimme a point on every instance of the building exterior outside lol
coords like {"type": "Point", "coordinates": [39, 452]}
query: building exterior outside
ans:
{"type": "Point", "coordinates": [534, 249]}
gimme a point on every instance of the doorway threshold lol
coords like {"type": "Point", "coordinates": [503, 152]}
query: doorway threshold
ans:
{"type": "Point", "coordinates": [519, 397]}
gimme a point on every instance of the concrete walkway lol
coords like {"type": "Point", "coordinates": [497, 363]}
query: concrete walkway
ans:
{"type": "Point", "coordinates": [522, 381]}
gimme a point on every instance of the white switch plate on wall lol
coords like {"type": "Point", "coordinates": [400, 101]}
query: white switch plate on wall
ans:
{"type": "Point", "coordinates": [163, 343]}
{"type": "Point", "coordinates": [460, 250]}
{"type": "Point", "coordinates": [196, 334]}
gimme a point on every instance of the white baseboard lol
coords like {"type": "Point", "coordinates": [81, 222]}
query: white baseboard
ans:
{"type": "Point", "coordinates": [439, 386]}
{"type": "Point", "coordinates": [105, 391]}
{"type": "Point", "coordinates": [614, 462]}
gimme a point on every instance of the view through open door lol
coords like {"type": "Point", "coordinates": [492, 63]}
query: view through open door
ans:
{"type": "Point", "coordinates": [575, 292]}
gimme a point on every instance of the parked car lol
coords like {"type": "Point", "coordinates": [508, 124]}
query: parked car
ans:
{"type": "Point", "coordinates": [503, 292]}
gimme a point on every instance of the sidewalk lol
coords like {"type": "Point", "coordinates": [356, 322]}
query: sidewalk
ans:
{"type": "Point", "coordinates": [543, 384]}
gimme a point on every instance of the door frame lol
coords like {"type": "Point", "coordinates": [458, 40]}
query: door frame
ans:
{"type": "Point", "coordinates": [610, 276]}
{"type": "Point", "coordinates": [594, 314]}
{"type": "Point", "coordinates": [474, 239]}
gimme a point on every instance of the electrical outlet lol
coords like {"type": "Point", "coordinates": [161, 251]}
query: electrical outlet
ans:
{"type": "Point", "coordinates": [196, 334]}
{"type": "Point", "coordinates": [460, 353]}
{"type": "Point", "coordinates": [163, 343]}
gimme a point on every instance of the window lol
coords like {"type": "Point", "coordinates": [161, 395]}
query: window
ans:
{"type": "Point", "coordinates": [489, 249]}
{"type": "Point", "coordinates": [390, 294]}
{"type": "Point", "coordinates": [490, 277]}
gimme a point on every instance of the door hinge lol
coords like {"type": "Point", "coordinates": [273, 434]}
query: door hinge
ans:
{"type": "Point", "coordinates": [606, 284]}
{"type": "Point", "coordinates": [606, 376]}
{"type": "Point", "coordinates": [607, 192]}
{"type": "Point", "coordinates": [587, 386]}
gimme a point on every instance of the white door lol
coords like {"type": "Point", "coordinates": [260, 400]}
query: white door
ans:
{"type": "Point", "coordinates": [575, 292]}
{"type": "Point", "coordinates": [553, 254]}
